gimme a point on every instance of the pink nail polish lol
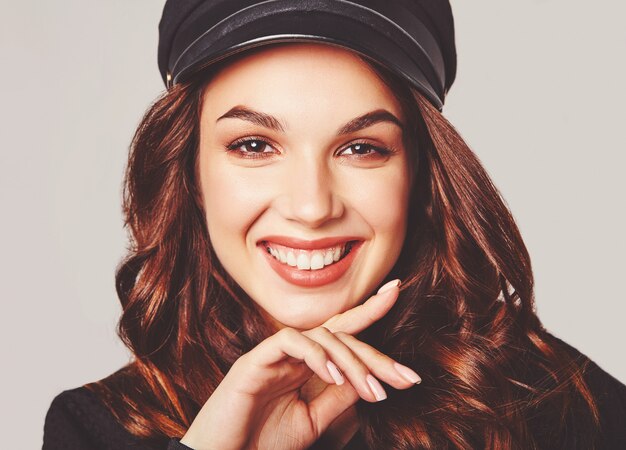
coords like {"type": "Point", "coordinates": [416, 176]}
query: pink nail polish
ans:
{"type": "Point", "coordinates": [376, 388]}
{"type": "Point", "coordinates": [334, 372]}
{"type": "Point", "coordinates": [389, 285]}
{"type": "Point", "coordinates": [407, 373]}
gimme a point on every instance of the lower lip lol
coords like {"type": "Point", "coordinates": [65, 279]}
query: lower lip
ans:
{"type": "Point", "coordinates": [312, 278]}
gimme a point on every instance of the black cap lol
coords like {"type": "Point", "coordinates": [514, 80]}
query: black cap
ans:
{"type": "Point", "coordinates": [413, 38]}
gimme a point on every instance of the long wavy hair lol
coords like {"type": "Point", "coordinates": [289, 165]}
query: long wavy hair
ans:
{"type": "Point", "coordinates": [493, 377]}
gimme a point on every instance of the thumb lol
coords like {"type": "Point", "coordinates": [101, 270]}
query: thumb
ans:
{"type": "Point", "coordinates": [330, 403]}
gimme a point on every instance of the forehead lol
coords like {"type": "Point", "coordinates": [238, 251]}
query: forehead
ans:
{"type": "Point", "coordinates": [320, 73]}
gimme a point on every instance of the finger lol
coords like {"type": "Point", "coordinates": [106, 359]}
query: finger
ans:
{"type": "Point", "coordinates": [349, 363]}
{"type": "Point", "coordinates": [330, 404]}
{"type": "Point", "coordinates": [382, 366]}
{"type": "Point", "coordinates": [362, 316]}
{"type": "Point", "coordinates": [290, 343]}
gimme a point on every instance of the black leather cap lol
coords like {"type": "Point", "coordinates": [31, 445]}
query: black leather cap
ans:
{"type": "Point", "coordinates": [413, 38]}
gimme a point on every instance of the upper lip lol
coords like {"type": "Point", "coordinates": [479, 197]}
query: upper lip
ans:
{"type": "Point", "coordinates": [309, 245]}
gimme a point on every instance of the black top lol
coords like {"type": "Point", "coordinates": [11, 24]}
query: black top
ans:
{"type": "Point", "coordinates": [77, 419]}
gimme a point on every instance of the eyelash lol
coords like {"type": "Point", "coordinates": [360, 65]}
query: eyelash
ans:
{"type": "Point", "coordinates": [261, 155]}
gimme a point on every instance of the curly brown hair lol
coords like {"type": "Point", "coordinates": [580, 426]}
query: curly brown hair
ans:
{"type": "Point", "coordinates": [465, 319]}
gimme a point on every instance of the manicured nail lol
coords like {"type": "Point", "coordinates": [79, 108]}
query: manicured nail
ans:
{"type": "Point", "coordinates": [334, 372]}
{"type": "Point", "coordinates": [377, 389]}
{"type": "Point", "coordinates": [407, 373]}
{"type": "Point", "coordinates": [389, 285]}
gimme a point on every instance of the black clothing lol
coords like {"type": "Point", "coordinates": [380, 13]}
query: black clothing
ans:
{"type": "Point", "coordinates": [78, 420]}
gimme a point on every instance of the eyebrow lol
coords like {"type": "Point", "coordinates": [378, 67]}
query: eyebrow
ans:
{"type": "Point", "coordinates": [271, 122]}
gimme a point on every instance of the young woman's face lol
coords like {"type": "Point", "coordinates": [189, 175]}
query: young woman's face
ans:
{"type": "Point", "coordinates": [303, 142]}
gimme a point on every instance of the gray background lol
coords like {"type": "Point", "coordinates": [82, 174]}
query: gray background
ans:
{"type": "Point", "coordinates": [539, 96]}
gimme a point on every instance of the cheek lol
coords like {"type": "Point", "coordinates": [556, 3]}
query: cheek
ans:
{"type": "Point", "coordinates": [233, 199]}
{"type": "Point", "coordinates": [382, 201]}
{"type": "Point", "coordinates": [383, 205]}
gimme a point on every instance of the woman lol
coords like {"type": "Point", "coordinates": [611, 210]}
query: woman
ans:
{"type": "Point", "coordinates": [298, 168]}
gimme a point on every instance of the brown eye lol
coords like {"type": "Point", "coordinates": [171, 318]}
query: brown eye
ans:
{"type": "Point", "coordinates": [362, 149]}
{"type": "Point", "coordinates": [251, 148]}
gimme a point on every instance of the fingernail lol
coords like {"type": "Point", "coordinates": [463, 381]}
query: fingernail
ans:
{"type": "Point", "coordinates": [334, 372]}
{"type": "Point", "coordinates": [376, 388]}
{"type": "Point", "coordinates": [407, 373]}
{"type": "Point", "coordinates": [389, 285]}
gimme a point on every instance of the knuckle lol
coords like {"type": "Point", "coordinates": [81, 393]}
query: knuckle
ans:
{"type": "Point", "coordinates": [342, 335]}
{"type": "Point", "coordinates": [354, 359]}
{"type": "Point", "coordinates": [317, 349]}
{"type": "Point", "coordinates": [285, 333]}
{"type": "Point", "coordinates": [244, 361]}
{"type": "Point", "coordinates": [333, 321]}
{"type": "Point", "coordinates": [323, 330]}
{"type": "Point", "coordinates": [381, 356]}
{"type": "Point", "coordinates": [318, 331]}
{"type": "Point", "coordinates": [358, 362]}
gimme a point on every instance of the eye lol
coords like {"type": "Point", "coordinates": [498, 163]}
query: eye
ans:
{"type": "Point", "coordinates": [365, 150]}
{"type": "Point", "coordinates": [251, 148]}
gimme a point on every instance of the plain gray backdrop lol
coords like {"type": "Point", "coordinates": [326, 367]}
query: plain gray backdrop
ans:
{"type": "Point", "coordinates": [539, 96]}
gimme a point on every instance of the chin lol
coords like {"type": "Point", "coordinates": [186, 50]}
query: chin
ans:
{"type": "Point", "coordinates": [299, 322]}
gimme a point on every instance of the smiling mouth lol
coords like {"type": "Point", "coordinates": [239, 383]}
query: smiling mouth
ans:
{"type": "Point", "coordinates": [310, 260]}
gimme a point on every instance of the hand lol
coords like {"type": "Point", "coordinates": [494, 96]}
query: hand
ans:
{"type": "Point", "coordinates": [257, 405]}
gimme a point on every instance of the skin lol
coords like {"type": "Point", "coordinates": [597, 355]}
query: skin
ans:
{"type": "Point", "coordinates": [259, 403]}
{"type": "Point", "coordinates": [312, 183]}
{"type": "Point", "coordinates": [309, 183]}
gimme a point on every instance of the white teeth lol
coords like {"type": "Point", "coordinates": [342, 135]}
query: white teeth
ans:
{"type": "Point", "coordinates": [291, 259]}
{"type": "Point", "coordinates": [303, 261]}
{"type": "Point", "coordinates": [317, 260]}
{"type": "Point", "coordinates": [328, 258]}
{"type": "Point", "coordinates": [307, 260]}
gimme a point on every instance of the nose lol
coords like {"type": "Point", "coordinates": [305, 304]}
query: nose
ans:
{"type": "Point", "coordinates": [310, 196]}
